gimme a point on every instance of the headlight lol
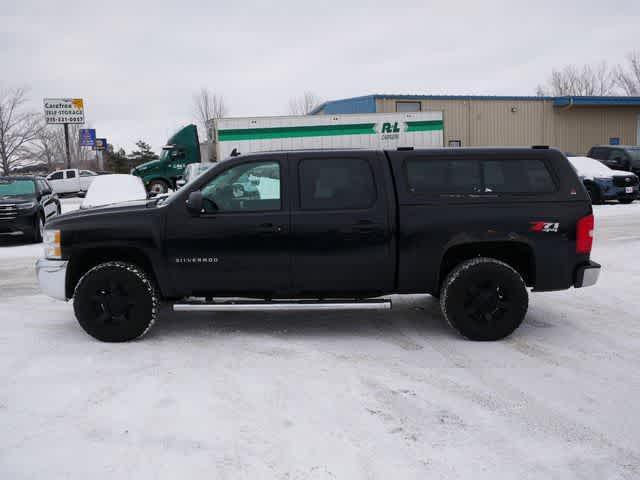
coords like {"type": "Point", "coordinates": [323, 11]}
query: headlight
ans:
{"type": "Point", "coordinates": [25, 206]}
{"type": "Point", "coordinates": [52, 248]}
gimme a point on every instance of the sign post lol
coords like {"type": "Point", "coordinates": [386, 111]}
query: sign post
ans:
{"type": "Point", "coordinates": [66, 144]}
{"type": "Point", "coordinates": [64, 111]}
{"type": "Point", "coordinates": [100, 146]}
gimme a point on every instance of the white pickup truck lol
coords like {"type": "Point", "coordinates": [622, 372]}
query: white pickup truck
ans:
{"type": "Point", "coordinates": [71, 180]}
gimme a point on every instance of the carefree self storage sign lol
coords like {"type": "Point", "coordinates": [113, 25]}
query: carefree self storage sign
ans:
{"type": "Point", "coordinates": [64, 110]}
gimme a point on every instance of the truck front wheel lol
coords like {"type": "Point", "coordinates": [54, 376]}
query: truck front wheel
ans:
{"type": "Point", "coordinates": [158, 186]}
{"type": "Point", "coordinates": [115, 302]}
{"type": "Point", "coordinates": [484, 299]}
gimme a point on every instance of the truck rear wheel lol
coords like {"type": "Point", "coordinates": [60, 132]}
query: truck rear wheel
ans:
{"type": "Point", "coordinates": [484, 299]}
{"type": "Point", "coordinates": [115, 302]}
{"type": "Point", "coordinates": [158, 186]}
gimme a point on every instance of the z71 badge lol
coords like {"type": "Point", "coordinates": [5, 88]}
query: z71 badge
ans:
{"type": "Point", "coordinates": [547, 227]}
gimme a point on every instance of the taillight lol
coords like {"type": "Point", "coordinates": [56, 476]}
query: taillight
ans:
{"type": "Point", "coordinates": [584, 234]}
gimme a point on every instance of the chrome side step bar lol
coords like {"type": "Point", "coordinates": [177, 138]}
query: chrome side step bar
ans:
{"type": "Point", "coordinates": [290, 306]}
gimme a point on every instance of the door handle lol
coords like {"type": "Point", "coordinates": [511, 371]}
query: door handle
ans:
{"type": "Point", "coordinates": [364, 226]}
{"type": "Point", "coordinates": [270, 228]}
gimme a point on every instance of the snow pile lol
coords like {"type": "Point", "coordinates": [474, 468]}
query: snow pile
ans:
{"type": "Point", "coordinates": [591, 168]}
{"type": "Point", "coordinates": [109, 189]}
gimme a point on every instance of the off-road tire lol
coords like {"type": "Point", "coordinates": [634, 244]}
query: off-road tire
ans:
{"type": "Point", "coordinates": [116, 302]}
{"type": "Point", "coordinates": [484, 299]}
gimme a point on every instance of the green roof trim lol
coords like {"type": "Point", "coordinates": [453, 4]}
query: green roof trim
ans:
{"type": "Point", "coordinates": [295, 132]}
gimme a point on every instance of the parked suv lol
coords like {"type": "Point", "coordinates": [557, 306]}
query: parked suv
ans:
{"type": "Point", "coordinates": [474, 227]}
{"type": "Point", "coordinates": [26, 204]}
{"type": "Point", "coordinates": [618, 157]}
{"type": "Point", "coordinates": [603, 183]}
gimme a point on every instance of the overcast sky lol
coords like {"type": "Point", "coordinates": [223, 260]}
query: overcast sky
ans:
{"type": "Point", "coordinates": [138, 63]}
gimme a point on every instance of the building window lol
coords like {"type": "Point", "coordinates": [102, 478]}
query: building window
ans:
{"type": "Point", "coordinates": [408, 106]}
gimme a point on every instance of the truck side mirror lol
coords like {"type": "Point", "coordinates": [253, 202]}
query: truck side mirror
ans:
{"type": "Point", "coordinates": [194, 202]}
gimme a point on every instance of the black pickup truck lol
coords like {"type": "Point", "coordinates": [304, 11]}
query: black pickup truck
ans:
{"type": "Point", "coordinates": [333, 230]}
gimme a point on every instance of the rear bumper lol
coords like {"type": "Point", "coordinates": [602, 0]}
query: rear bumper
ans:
{"type": "Point", "coordinates": [52, 277]}
{"type": "Point", "coordinates": [587, 275]}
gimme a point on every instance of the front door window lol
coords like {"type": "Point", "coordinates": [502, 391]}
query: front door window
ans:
{"type": "Point", "coordinates": [251, 186]}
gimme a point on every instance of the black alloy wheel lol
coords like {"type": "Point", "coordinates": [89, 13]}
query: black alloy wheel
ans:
{"type": "Point", "coordinates": [115, 302]}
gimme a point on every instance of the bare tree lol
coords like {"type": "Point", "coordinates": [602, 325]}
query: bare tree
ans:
{"type": "Point", "coordinates": [49, 148]}
{"type": "Point", "coordinates": [44, 148]}
{"type": "Point", "coordinates": [208, 105]}
{"type": "Point", "coordinates": [586, 80]}
{"type": "Point", "coordinates": [19, 127]}
{"type": "Point", "coordinates": [628, 79]}
{"type": "Point", "coordinates": [304, 104]}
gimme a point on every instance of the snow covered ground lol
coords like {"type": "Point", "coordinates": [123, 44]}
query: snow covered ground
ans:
{"type": "Point", "coordinates": [326, 395]}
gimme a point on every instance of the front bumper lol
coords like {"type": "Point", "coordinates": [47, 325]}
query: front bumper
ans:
{"type": "Point", "coordinates": [52, 277]}
{"type": "Point", "coordinates": [20, 225]}
{"type": "Point", "coordinates": [628, 196]}
{"type": "Point", "coordinates": [587, 275]}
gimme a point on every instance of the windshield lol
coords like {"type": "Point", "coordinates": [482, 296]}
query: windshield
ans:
{"type": "Point", "coordinates": [634, 153]}
{"type": "Point", "coordinates": [10, 187]}
{"type": "Point", "coordinates": [165, 155]}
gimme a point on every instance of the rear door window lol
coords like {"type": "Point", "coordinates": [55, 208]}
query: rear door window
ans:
{"type": "Point", "coordinates": [617, 154]}
{"type": "Point", "coordinates": [71, 174]}
{"type": "Point", "coordinates": [336, 184]}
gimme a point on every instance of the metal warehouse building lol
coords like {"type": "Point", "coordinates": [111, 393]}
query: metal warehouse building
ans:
{"type": "Point", "coordinates": [572, 124]}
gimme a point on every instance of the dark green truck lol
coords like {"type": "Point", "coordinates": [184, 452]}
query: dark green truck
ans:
{"type": "Point", "coordinates": [182, 148]}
